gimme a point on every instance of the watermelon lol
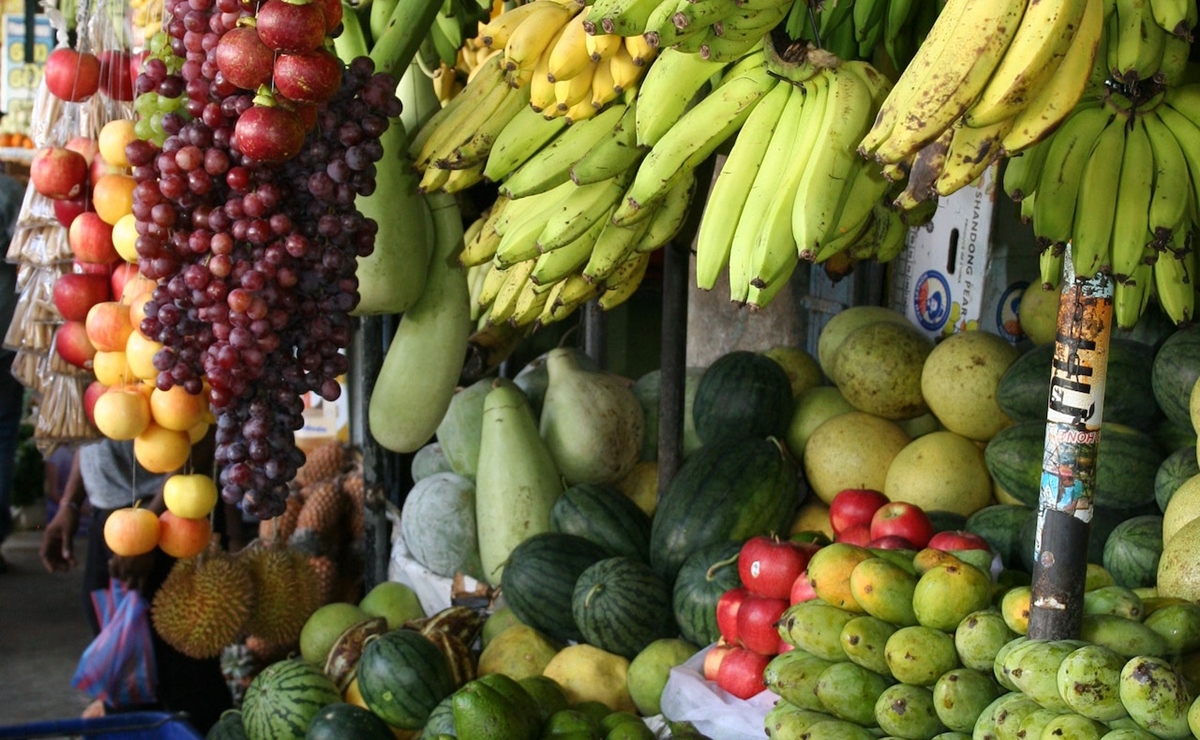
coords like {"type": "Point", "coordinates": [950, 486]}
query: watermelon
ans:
{"type": "Point", "coordinates": [1171, 436]}
{"type": "Point", "coordinates": [733, 489]}
{"type": "Point", "coordinates": [1024, 388]}
{"type": "Point", "coordinates": [1175, 372]}
{"type": "Point", "coordinates": [1000, 525]}
{"type": "Point", "coordinates": [704, 577]}
{"type": "Point", "coordinates": [441, 719]}
{"type": "Point", "coordinates": [603, 515]}
{"type": "Point", "coordinates": [1132, 551]}
{"type": "Point", "coordinates": [1126, 463]}
{"type": "Point", "coordinates": [946, 521]}
{"type": "Point", "coordinates": [339, 721]}
{"type": "Point", "coordinates": [1179, 466]}
{"type": "Point", "coordinates": [539, 581]}
{"type": "Point", "coordinates": [1104, 521]}
{"type": "Point", "coordinates": [621, 606]}
{"type": "Point", "coordinates": [647, 390]}
{"type": "Point", "coordinates": [742, 394]}
{"type": "Point", "coordinates": [402, 676]}
{"type": "Point", "coordinates": [282, 700]}
{"type": "Point", "coordinates": [228, 727]}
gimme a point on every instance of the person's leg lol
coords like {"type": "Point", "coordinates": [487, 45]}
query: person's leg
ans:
{"type": "Point", "coordinates": [12, 398]}
{"type": "Point", "coordinates": [95, 565]}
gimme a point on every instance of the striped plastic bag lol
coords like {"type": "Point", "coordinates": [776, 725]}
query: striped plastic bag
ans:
{"type": "Point", "coordinates": [118, 667]}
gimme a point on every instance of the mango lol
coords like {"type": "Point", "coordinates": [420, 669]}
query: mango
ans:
{"type": "Point", "coordinates": [829, 572]}
{"type": "Point", "coordinates": [884, 590]}
{"type": "Point", "coordinates": [1034, 722]}
{"type": "Point", "coordinates": [1097, 576]}
{"type": "Point", "coordinates": [481, 712]}
{"type": "Point", "coordinates": [786, 720]}
{"type": "Point", "coordinates": [1116, 600]}
{"type": "Point", "coordinates": [999, 666]}
{"type": "Point", "coordinates": [636, 730]}
{"type": "Point", "coordinates": [1129, 733]}
{"type": "Point", "coordinates": [836, 729]}
{"type": "Point", "coordinates": [979, 637]}
{"type": "Point", "coordinates": [918, 655]}
{"type": "Point", "coordinates": [981, 559]}
{"type": "Point", "coordinates": [1156, 697]}
{"type": "Point", "coordinates": [793, 676]}
{"type": "Point", "coordinates": [1034, 671]}
{"type": "Point", "coordinates": [1087, 681]}
{"type": "Point", "coordinates": [1123, 636]}
{"type": "Point", "coordinates": [1074, 727]}
{"type": "Point", "coordinates": [898, 556]}
{"type": "Point", "coordinates": [947, 593]}
{"type": "Point", "coordinates": [904, 710]}
{"type": "Point", "coordinates": [568, 722]}
{"type": "Point", "coordinates": [929, 558]}
{"type": "Point", "coordinates": [1012, 710]}
{"type": "Point", "coordinates": [1178, 625]}
{"type": "Point", "coordinates": [1194, 717]}
{"type": "Point", "coordinates": [815, 627]}
{"type": "Point", "coordinates": [1014, 607]}
{"type": "Point", "coordinates": [960, 695]}
{"type": "Point", "coordinates": [864, 640]}
{"type": "Point", "coordinates": [951, 736]}
{"type": "Point", "coordinates": [849, 691]}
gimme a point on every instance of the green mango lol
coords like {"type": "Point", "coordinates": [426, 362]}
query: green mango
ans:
{"type": "Point", "coordinates": [1034, 671]}
{"type": "Point", "coordinates": [918, 655]}
{"type": "Point", "coordinates": [483, 713]}
{"type": "Point", "coordinates": [815, 627]}
{"type": "Point", "coordinates": [1004, 657]}
{"type": "Point", "coordinates": [904, 710]}
{"type": "Point", "coordinates": [1178, 624]}
{"type": "Point", "coordinates": [979, 637]}
{"type": "Point", "coordinates": [1009, 716]}
{"type": "Point", "coordinates": [1156, 696]}
{"type": "Point", "coordinates": [786, 721]}
{"type": "Point", "coordinates": [960, 695]}
{"type": "Point", "coordinates": [980, 559]}
{"type": "Point", "coordinates": [863, 641]}
{"type": "Point", "coordinates": [793, 676]}
{"type": "Point", "coordinates": [848, 691]}
{"type": "Point", "coordinates": [546, 693]}
{"type": "Point", "coordinates": [1087, 682]}
{"type": "Point", "coordinates": [630, 731]}
{"type": "Point", "coordinates": [899, 556]}
{"type": "Point", "coordinates": [1036, 721]}
{"type": "Point", "coordinates": [1129, 733]}
{"type": "Point", "coordinates": [1116, 600]}
{"type": "Point", "coordinates": [884, 590]}
{"type": "Point", "coordinates": [618, 718]}
{"type": "Point", "coordinates": [836, 729]}
{"type": "Point", "coordinates": [1123, 636]}
{"type": "Point", "coordinates": [1074, 727]}
{"type": "Point", "coordinates": [597, 710]}
{"type": "Point", "coordinates": [951, 736]}
{"type": "Point", "coordinates": [570, 721]}
{"type": "Point", "coordinates": [947, 593]}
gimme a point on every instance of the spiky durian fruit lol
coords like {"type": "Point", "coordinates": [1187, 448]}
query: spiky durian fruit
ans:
{"type": "Point", "coordinates": [204, 604]}
{"type": "Point", "coordinates": [286, 592]}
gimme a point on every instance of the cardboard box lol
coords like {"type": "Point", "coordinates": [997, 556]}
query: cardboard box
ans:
{"type": "Point", "coordinates": [969, 266]}
{"type": "Point", "coordinates": [325, 420]}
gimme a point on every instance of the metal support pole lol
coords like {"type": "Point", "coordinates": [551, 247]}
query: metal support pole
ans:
{"type": "Point", "coordinates": [674, 362]}
{"type": "Point", "coordinates": [377, 548]}
{"type": "Point", "coordinates": [1074, 413]}
{"type": "Point", "coordinates": [595, 337]}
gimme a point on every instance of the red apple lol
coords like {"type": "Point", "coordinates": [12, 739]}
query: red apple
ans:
{"type": "Point", "coordinates": [741, 673]}
{"type": "Point", "coordinates": [891, 542]}
{"type": "Point", "coordinates": [70, 75]}
{"type": "Point", "coordinates": [713, 658]}
{"type": "Point", "coordinates": [115, 81]}
{"type": "Point", "coordinates": [94, 390]}
{"type": "Point", "coordinates": [94, 268]}
{"type": "Point", "coordinates": [757, 623]}
{"type": "Point", "coordinates": [76, 292]}
{"type": "Point", "coordinates": [904, 519]}
{"type": "Point", "coordinates": [91, 240]}
{"type": "Point", "coordinates": [958, 539]}
{"type": "Point", "coordinates": [58, 173]}
{"type": "Point", "coordinates": [802, 590]}
{"type": "Point", "coordinates": [121, 274]}
{"type": "Point", "coordinates": [85, 145]}
{"type": "Point", "coordinates": [67, 210]}
{"type": "Point", "coordinates": [100, 167]}
{"type": "Point", "coordinates": [72, 344]}
{"type": "Point", "coordinates": [109, 326]}
{"type": "Point", "coordinates": [859, 534]}
{"type": "Point", "coordinates": [854, 506]}
{"type": "Point", "coordinates": [727, 611]}
{"type": "Point", "coordinates": [768, 565]}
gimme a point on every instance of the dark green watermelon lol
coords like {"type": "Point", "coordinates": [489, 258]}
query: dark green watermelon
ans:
{"type": "Point", "coordinates": [228, 727]}
{"type": "Point", "coordinates": [1132, 551]}
{"type": "Point", "coordinates": [1104, 521]}
{"type": "Point", "coordinates": [742, 394]}
{"type": "Point", "coordinates": [282, 700]}
{"type": "Point", "coordinates": [1000, 525]}
{"type": "Point", "coordinates": [603, 515]}
{"type": "Point", "coordinates": [539, 581]}
{"type": "Point", "coordinates": [402, 676]}
{"type": "Point", "coordinates": [621, 606]}
{"type": "Point", "coordinates": [1179, 466]}
{"type": "Point", "coordinates": [704, 577]}
{"type": "Point", "coordinates": [1175, 372]}
{"type": "Point", "coordinates": [341, 720]}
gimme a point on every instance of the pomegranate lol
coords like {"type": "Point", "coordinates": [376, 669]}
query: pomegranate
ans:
{"type": "Point", "coordinates": [291, 25]}
{"type": "Point", "coordinates": [269, 132]}
{"type": "Point", "coordinates": [333, 14]}
{"type": "Point", "coordinates": [308, 78]}
{"type": "Point", "coordinates": [244, 59]}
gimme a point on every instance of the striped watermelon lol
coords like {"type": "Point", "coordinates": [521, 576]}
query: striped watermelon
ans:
{"type": "Point", "coordinates": [402, 676]}
{"type": "Point", "coordinates": [605, 516]}
{"type": "Point", "coordinates": [1132, 551]}
{"type": "Point", "coordinates": [228, 727]}
{"type": "Point", "coordinates": [621, 606]}
{"type": "Point", "coordinates": [539, 579]}
{"type": "Point", "coordinates": [1179, 466]}
{"type": "Point", "coordinates": [339, 721]}
{"type": "Point", "coordinates": [705, 576]}
{"type": "Point", "coordinates": [282, 700]}
{"type": "Point", "coordinates": [742, 394]}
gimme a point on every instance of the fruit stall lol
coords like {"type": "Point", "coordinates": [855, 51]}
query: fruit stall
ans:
{"type": "Point", "coordinates": [636, 368]}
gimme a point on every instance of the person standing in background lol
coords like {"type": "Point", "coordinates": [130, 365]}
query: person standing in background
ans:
{"type": "Point", "coordinates": [12, 393]}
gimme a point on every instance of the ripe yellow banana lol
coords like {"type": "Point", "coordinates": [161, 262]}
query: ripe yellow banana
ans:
{"type": "Point", "coordinates": [569, 55]}
{"type": "Point", "coordinates": [972, 150]}
{"type": "Point", "coordinates": [533, 35]}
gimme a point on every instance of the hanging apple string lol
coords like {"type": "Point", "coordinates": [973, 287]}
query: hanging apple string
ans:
{"type": "Point", "coordinates": [246, 184]}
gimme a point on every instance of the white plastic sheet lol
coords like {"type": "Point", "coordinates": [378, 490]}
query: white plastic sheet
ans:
{"type": "Point", "coordinates": [714, 711]}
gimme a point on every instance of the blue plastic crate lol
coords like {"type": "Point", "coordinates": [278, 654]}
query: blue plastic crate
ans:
{"type": "Point", "coordinates": [131, 726]}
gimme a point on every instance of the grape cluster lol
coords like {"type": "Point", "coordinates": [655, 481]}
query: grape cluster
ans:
{"type": "Point", "coordinates": [255, 262]}
{"type": "Point", "coordinates": [159, 89]}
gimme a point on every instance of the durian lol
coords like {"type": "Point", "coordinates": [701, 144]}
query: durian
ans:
{"type": "Point", "coordinates": [286, 592]}
{"type": "Point", "coordinates": [204, 604]}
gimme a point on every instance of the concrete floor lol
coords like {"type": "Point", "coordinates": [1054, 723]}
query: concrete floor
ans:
{"type": "Point", "coordinates": [42, 634]}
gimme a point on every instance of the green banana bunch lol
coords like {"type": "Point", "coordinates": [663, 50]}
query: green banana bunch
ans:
{"type": "Point", "coordinates": [857, 29]}
{"type": "Point", "coordinates": [719, 29]}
